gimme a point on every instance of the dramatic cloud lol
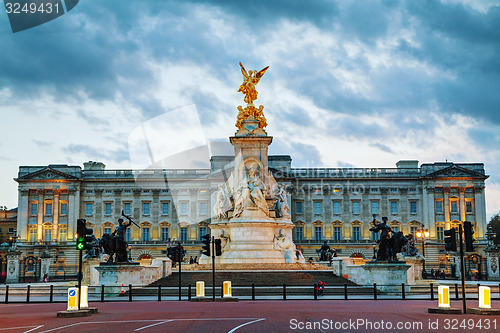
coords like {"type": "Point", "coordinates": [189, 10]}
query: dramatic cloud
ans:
{"type": "Point", "coordinates": [351, 83]}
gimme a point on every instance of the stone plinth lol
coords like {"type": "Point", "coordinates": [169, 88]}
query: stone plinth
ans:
{"type": "Point", "coordinates": [414, 273]}
{"type": "Point", "coordinates": [12, 267]}
{"type": "Point", "coordinates": [114, 276]}
{"type": "Point", "coordinates": [387, 275]}
{"type": "Point", "coordinates": [90, 274]}
{"type": "Point", "coordinates": [255, 241]}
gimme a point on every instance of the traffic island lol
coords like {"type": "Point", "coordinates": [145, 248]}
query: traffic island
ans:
{"type": "Point", "coordinates": [481, 311]}
{"type": "Point", "coordinates": [444, 310]}
{"type": "Point", "coordinates": [208, 299]}
{"type": "Point", "coordinates": [73, 314]}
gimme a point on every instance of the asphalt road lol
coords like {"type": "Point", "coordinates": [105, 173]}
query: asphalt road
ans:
{"type": "Point", "coordinates": [248, 316]}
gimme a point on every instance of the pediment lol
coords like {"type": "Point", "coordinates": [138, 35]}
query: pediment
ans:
{"type": "Point", "coordinates": [47, 173]}
{"type": "Point", "coordinates": [455, 171]}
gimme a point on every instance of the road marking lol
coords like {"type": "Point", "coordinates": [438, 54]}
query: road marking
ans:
{"type": "Point", "coordinates": [33, 329]}
{"type": "Point", "coordinates": [245, 324]}
{"type": "Point", "coordinates": [163, 322]}
{"type": "Point", "coordinates": [13, 328]}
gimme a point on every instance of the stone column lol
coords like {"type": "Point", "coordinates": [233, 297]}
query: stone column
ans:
{"type": "Point", "coordinates": [22, 215]}
{"type": "Point", "coordinates": [480, 212]}
{"type": "Point", "coordinates": [461, 191]}
{"type": "Point", "coordinates": [73, 212]}
{"type": "Point", "coordinates": [55, 219]}
{"type": "Point", "coordinates": [446, 202]}
{"type": "Point", "coordinates": [12, 267]}
{"type": "Point", "coordinates": [41, 209]}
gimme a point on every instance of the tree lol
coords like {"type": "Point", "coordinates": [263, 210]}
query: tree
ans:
{"type": "Point", "coordinates": [495, 223]}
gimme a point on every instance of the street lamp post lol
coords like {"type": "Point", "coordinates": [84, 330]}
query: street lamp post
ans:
{"type": "Point", "coordinates": [423, 234]}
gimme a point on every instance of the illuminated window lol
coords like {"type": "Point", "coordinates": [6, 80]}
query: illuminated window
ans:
{"type": "Point", "coordinates": [32, 237]}
{"type": "Point", "coordinates": [62, 234]}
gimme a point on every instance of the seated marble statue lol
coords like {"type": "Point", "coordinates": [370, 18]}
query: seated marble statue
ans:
{"type": "Point", "coordinates": [250, 191]}
{"type": "Point", "coordinates": [281, 205]}
{"type": "Point", "coordinates": [222, 204]}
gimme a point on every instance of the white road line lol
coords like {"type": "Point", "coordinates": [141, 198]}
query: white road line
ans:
{"type": "Point", "coordinates": [33, 329]}
{"type": "Point", "coordinates": [19, 327]}
{"type": "Point", "coordinates": [61, 327]}
{"type": "Point", "coordinates": [245, 324]}
{"type": "Point", "coordinates": [163, 322]}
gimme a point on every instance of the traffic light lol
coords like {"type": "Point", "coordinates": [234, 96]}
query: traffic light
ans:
{"type": "Point", "coordinates": [468, 232]}
{"type": "Point", "coordinates": [218, 247]}
{"type": "Point", "coordinates": [450, 240]}
{"type": "Point", "coordinates": [179, 253]}
{"type": "Point", "coordinates": [206, 245]}
{"type": "Point", "coordinates": [83, 239]}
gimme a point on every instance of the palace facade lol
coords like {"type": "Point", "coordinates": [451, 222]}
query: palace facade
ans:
{"type": "Point", "coordinates": [332, 204]}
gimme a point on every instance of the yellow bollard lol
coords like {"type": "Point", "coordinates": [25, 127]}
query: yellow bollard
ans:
{"type": "Point", "coordinates": [443, 296]}
{"type": "Point", "coordinates": [72, 303]}
{"type": "Point", "coordinates": [227, 289]}
{"type": "Point", "coordinates": [200, 289]}
{"type": "Point", "coordinates": [484, 298]}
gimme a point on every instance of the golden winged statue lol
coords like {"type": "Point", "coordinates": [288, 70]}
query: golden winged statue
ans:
{"type": "Point", "coordinates": [250, 80]}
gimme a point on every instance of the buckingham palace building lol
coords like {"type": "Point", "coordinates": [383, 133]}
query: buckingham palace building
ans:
{"type": "Point", "coordinates": [336, 205]}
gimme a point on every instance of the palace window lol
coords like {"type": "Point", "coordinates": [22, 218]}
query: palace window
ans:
{"type": "Point", "coordinates": [32, 237]}
{"type": "Point", "coordinates": [89, 191]}
{"type": "Point", "coordinates": [48, 209]}
{"type": "Point", "coordinates": [64, 209]}
{"type": "Point", "coordinates": [203, 208]}
{"type": "Point", "coordinates": [413, 207]}
{"type": "Point", "coordinates": [145, 208]}
{"type": "Point", "coordinates": [34, 209]}
{"type": "Point", "coordinates": [375, 235]}
{"type": "Point", "coordinates": [184, 208]}
{"type": "Point", "coordinates": [336, 207]}
{"type": "Point", "coordinates": [394, 207]}
{"type": "Point", "coordinates": [439, 207]}
{"type": "Point", "coordinates": [454, 207]}
{"type": "Point", "coordinates": [337, 233]}
{"type": "Point", "coordinates": [356, 233]}
{"type": "Point", "coordinates": [127, 235]}
{"type": "Point", "coordinates": [164, 208]}
{"type": "Point", "coordinates": [318, 207]}
{"type": "Point", "coordinates": [318, 233]}
{"type": "Point", "coordinates": [48, 235]}
{"type": "Point", "coordinates": [164, 234]}
{"type": "Point", "coordinates": [440, 233]}
{"type": "Point", "coordinates": [413, 230]}
{"type": "Point", "coordinates": [126, 208]}
{"type": "Point", "coordinates": [395, 229]}
{"type": "Point", "coordinates": [374, 207]}
{"type": "Point", "coordinates": [88, 209]}
{"type": "Point", "coordinates": [107, 208]}
{"type": "Point", "coordinates": [145, 234]}
{"type": "Point", "coordinates": [107, 231]}
{"type": "Point", "coordinates": [63, 234]}
{"type": "Point", "coordinates": [355, 207]}
{"type": "Point", "coordinates": [184, 234]}
{"type": "Point", "coordinates": [203, 232]}
{"type": "Point", "coordinates": [127, 191]}
{"type": "Point", "coordinates": [299, 233]}
{"type": "Point", "coordinates": [468, 207]}
{"type": "Point", "coordinates": [298, 207]}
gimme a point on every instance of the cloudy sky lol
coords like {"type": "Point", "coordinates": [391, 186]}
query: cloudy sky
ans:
{"type": "Point", "coordinates": [350, 83]}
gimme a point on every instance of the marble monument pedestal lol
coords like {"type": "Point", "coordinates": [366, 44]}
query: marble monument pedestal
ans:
{"type": "Point", "coordinates": [254, 238]}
